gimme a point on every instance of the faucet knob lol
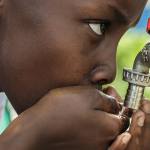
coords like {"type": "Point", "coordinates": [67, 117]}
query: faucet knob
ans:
{"type": "Point", "coordinates": [148, 26]}
{"type": "Point", "coordinates": [136, 78]}
{"type": "Point", "coordinates": [137, 83]}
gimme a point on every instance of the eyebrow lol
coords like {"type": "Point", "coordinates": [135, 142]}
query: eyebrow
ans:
{"type": "Point", "coordinates": [110, 11]}
{"type": "Point", "coordinates": [119, 15]}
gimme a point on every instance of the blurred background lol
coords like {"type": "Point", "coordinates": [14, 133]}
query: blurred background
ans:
{"type": "Point", "coordinates": [130, 44]}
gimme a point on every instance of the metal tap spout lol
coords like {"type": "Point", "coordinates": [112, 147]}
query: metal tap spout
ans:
{"type": "Point", "coordinates": [142, 60]}
{"type": "Point", "coordinates": [138, 78]}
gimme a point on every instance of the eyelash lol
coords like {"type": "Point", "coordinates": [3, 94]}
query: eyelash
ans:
{"type": "Point", "coordinates": [99, 27]}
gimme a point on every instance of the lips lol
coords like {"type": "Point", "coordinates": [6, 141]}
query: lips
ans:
{"type": "Point", "coordinates": [99, 86]}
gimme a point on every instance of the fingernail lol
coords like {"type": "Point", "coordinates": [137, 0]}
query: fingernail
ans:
{"type": "Point", "coordinates": [134, 111]}
{"type": "Point", "coordinates": [141, 121]}
{"type": "Point", "coordinates": [126, 138]}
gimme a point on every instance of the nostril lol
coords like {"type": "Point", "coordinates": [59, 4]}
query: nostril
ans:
{"type": "Point", "coordinates": [100, 83]}
{"type": "Point", "coordinates": [102, 74]}
{"type": "Point", "coordinates": [100, 78]}
{"type": "Point", "coordinates": [103, 81]}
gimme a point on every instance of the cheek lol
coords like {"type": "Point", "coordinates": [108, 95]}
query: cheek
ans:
{"type": "Point", "coordinates": [64, 54]}
{"type": "Point", "coordinates": [36, 65]}
{"type": "Point", "coordinates": [65, 47]}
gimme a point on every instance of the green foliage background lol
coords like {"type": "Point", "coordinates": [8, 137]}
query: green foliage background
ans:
{"type": "Point", "coordinates": [130, 44]}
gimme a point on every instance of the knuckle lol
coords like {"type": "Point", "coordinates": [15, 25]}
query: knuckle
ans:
{"type": "Point", "coordinates": [145, 106]}
{"type": "Point", "coordinates": [97, 97]}
{"type": "Point", "coordinates": [138, 114]}
{"type": "Point", "coordinates": [97, 94]}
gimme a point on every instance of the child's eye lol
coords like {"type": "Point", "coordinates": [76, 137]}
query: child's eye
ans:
{"type": "Point", "coordinates": [98, 27]}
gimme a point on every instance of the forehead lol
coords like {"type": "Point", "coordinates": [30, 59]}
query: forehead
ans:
{"type": "Point", "coordinates": [129, 9]}
{"type": "Point", "coordinates": [126, 6]}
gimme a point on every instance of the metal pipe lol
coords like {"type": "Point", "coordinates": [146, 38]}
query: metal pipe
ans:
{"type": "Point", "coordinates": [138, 78]}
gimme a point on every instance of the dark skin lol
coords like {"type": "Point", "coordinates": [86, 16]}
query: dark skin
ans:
{"type": "Point", "coordinates": [35, 56]}
{"type": "Point", "coordinates": [50, 63]}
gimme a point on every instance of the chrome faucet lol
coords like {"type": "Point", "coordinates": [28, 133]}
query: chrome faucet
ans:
{"type": "Point", "coordinates": [138, 77]}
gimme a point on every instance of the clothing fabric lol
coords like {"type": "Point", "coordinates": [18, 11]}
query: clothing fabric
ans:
{"type": "Point", "coordinates": [7, 113]}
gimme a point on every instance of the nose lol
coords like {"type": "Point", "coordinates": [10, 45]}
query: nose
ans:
{"type": "Point", "coordinates": [103, 74]}
{"type": "Point", "coordinates": [104, 71]}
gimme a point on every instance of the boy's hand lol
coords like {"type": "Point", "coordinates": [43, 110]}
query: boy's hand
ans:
{"type": "Point", "coordinates": [139, 130]}
{"type": "Point", "coordinates": [72, 118]}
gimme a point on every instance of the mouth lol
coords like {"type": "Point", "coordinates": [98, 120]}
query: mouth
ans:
{"type": "Point", "coordinates": [99, 87]}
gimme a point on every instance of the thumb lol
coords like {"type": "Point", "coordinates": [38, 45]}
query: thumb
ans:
{"type": "Point", "coordinates": [112, 92]}
{"type": "Point", "coordinates": [121, 142]}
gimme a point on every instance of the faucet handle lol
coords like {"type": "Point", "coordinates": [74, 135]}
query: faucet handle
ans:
{"type": "Point", "coordinates": [148, 26]}
{"type": "Point", "coordinates": [136, 78]}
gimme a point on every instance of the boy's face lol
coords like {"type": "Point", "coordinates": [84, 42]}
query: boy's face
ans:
{"type": "Point", "coordinates": [56, 43]}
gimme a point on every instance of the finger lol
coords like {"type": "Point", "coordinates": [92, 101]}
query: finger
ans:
{"type": "Point", "coordinates": [121, 142]}
{"type": "Point", "coordinates": [112, 92]}
{"type": "Point", "coordinates": [145, 106]}
{"type": "Point", "coordinates": [95, 99]}
{"type": "Point", "coordinates": [107, 103]}
{"type": "Point", "coordinates": [137, 123]}
{"type": "Point", "coordinates": [113, 124]}
{"type": "Point", "coordinates": [144, 140]}
{"type": "Point", "coordinates": [136, 128]}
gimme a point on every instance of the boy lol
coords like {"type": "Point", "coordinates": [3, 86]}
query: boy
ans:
{"type": "Point", "coordinates": [53, 55]}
